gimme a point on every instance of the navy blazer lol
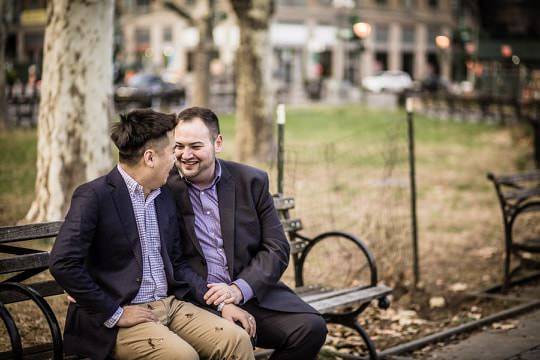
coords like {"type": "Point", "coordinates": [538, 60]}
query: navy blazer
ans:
{"type": "Point", "coordinates": [254, 241]}
{"type": "Point", "coordinates": [97, 259]}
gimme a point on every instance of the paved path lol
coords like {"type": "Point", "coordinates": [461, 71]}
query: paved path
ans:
{"type": "Point", "coordinates": [519, 343]}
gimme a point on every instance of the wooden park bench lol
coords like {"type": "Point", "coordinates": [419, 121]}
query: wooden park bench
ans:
{"type": "Point", "coordinates": [518, 194]}
{"type": "Point", "coordinates": [337, 305]}
{"type": "Point", "coordinates": [20, 263]}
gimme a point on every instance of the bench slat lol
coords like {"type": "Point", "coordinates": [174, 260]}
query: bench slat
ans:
{"type": "Point", "coordinates": [527, 176]}
{"type": "Point", "coordinates": [297, 246]}
{"type": "Point", "coordinates": [24, 262]}
{"type": "Point", "coordinates": [360, 296]}
{"type": "Point", "coordinates": [28, 232]}
{"type": "Point", "coordinates": [331, 293]}
{"type": "Point", "coordinates": [45, 288]}
{"type": "Point", "coordinates": [291, 224]}
{"type": "Point", "coordinates": [284, 203]}
{"type": "Point", "coordinates": [523, 194]}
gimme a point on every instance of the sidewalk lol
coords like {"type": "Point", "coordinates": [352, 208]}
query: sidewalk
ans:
{"type": "Point", "coordinates": [520, 343]}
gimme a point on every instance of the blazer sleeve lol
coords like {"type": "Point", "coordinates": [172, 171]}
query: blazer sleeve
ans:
{"type": "Point", "coordinates": [68, 255]}
{"type": "Point", "coordinates": [270, 262]}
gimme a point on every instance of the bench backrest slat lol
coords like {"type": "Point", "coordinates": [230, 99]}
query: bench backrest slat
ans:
{"type": "Point", "coordinates": [29, 232]}
{"type": "Point", "coordinates": [24, 262]}
{"type": "Point", "coordinates": [283, 203]}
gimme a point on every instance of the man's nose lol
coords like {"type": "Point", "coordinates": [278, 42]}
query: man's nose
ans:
{"type": "Point", "coordinates": [186, 153]}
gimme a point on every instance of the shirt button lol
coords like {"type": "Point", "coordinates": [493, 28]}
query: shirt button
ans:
{"type": "Point", "coordinates": [208, 213]}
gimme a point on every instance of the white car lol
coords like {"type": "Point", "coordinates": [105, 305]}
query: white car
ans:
{"type": "Point", "coordinates": [393, 81]}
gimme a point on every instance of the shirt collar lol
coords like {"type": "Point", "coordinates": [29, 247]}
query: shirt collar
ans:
{"type": "Point", "coordinates": [134, 187]}
{"type": "Point", "coordinates": [217, 177]}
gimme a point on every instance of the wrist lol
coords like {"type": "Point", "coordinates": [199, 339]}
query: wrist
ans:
{"type": "Point", "coordinates": [237, 293]}
{"type": "Point", "coordinates": [220, 307]}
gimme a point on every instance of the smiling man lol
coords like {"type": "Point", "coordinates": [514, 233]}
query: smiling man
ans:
{"type": "Point", "coordinates": [236, 240]}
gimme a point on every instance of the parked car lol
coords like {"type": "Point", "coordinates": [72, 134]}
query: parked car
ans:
{"type": "Point", "coordinates": [393, 81]}
{"type": "Point", "coordinates": [147, 90]}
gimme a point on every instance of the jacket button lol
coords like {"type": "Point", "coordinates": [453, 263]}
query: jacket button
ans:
{"type": "Point", "coordinates": [138, 280]}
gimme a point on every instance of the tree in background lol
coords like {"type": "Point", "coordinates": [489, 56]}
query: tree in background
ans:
{"type": "Point", "coordinates": [76, 103]}
{"type": "Point", "coordinates": [253, 116]}
{"type": "Point", "coordinates": [3, 38]}
{"type": "Point", "coordinates": [201, 16]}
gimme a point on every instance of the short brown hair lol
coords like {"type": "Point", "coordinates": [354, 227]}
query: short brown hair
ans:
{"type": "Point", "coordinates": [137, 130]}
{"type": "Point", "coordinates": [208, 117]}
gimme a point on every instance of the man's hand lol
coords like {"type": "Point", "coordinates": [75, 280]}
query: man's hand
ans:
{"type": "Point", "coordinates": [221, 292]}
{"type": "Point", "coordinates": [134, 315]}
{"type": "Point", "coordinates": [234, 313]}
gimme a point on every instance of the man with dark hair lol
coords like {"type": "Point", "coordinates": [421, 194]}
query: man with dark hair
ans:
{"type": "Point", "coordinates": [234, 239]}
{"type": "Point", "coordinates": [118, 255]}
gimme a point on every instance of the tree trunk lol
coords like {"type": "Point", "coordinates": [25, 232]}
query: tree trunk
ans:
{"type": "Point", "coordinates": [3, 38]}
{"type": "Point", "coordinates": [203, 20]}
{"type": "Point", "coordinates": [76, 103]}
{"type": "Point", "coordinates": [254, 130]}
{"type": "Point", "coordinates": [200, 15]}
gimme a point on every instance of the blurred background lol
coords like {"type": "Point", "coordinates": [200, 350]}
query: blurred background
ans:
{"type": "Point", "coordinates": [328, 51]}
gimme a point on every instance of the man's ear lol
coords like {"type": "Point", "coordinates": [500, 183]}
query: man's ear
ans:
{"type": "Point", "coordinates": [218, 144]}
{"type": "Point", "coordinates": [148, 157]}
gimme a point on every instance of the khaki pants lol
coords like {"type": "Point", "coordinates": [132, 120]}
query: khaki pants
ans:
{"type": "Point", "coordinates": [184, 331]}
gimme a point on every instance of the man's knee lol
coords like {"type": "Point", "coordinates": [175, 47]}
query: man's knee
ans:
{"type": "Point", "coordinates": [159, 348]}
{"type": "Point", "coordinates": [313, 330]}
{"type": "Point", "coordinates": [233, 342]}
{"type": "Point", "coordinates": [178, 350]}
{"type": "Point", "coordinates": [237, 335]}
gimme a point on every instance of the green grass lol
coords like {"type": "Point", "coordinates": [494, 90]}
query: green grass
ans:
{"type": "Point", "coordinates": [355, 136]}
{"type": "Point", "coordinates": [17, 173]}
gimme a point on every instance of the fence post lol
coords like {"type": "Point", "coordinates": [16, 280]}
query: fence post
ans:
{"type": "Point", "coordinates": [412, 177]}
{"type": "Point", "coordinates": [281, 146]}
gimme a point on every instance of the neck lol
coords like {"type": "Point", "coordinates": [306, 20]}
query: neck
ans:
{"type": "Point", "coordinates": [138, 175]}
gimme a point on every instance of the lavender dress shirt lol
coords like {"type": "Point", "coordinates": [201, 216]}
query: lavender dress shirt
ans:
{"type": "Point", "coordinates": [208, 232]}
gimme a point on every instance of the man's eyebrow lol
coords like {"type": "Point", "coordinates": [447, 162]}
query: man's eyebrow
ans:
{"type": "Point", "coordinates": [193, 143]}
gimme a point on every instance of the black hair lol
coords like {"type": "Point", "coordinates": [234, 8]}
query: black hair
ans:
{"type": "Point", "coordinates": [138, 130]}
{"type": "Point", "coordinates": [208, 117]}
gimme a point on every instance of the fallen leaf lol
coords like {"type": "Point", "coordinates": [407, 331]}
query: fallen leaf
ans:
{"type": "Point", "coordinates": [458, 287]}
{"type": "Point", "coordinates": [505, 325]}
{"type": "Point", "coordinates": [436, 302]}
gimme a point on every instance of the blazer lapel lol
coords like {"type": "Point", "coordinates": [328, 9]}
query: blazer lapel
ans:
{"type": "Point", "coordinates": [183, 205]}
{"type": "Point", "coordinates": [226, 199]}
{"type": "Point", "coordinates": [124, 208]}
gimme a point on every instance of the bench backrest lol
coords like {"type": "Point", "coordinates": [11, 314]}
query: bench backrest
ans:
{"type": "Point", "coordinates": [291, 225]}
{"type": "Point", "coordinates": [21, 262]}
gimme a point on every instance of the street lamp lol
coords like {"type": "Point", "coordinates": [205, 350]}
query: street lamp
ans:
{"type": "Point", "coordinates": [443, 44]}
{"type": "Point", "coordinates": [362, 30]}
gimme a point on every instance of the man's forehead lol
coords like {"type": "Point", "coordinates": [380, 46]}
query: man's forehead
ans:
{"type": "Point", "coordinates": [188, 131]}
